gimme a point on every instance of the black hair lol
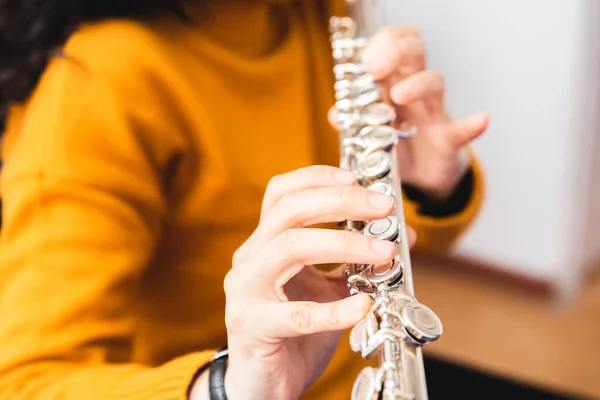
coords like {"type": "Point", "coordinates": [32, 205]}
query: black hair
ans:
{"type": "Point", "coordinates": [31, 30]}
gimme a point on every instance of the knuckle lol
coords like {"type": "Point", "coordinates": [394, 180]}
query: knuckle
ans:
{"type": "Point", "coordinates": [302, 316]}
{"type": "Point", "coordinates": [288, 241]}
{"type": "Point", "coordinates": [322, 173]}
{"type": "Point", "coordinates": [346, 193]}
{"type": "Point", "coordinates": [413, 31]}
{"type": "Point", "coordinates": [411, 55]}
{"type": "Point", "coordinates": [433, 81]}
{"type": "Point", "coordinates": [229, 283]}
{"type": "Point", "coordinates": [235, 314]}
{"type": "Point", "coordinates": [242, 252]}
{"type": "Point", "coordinates": [318, 172]}
{"type": "Point", "coordinates": [419, 50]}
{"type": "Point", "coordinates": [440, 80]}
{"type": "Point", "coordinates": [238, 255]}
{"type": "Point", "coordinates": [291, 207]}
{"type": "Point", "coordinates": [409, 69]}
{"type": "Point", "coordinates": [324, 170]}
{"type": "Point", "coordinates": [333, 316]}
{"type": "Point", "coordinates": [274, 183]}
{"type": "Point", "coordinates": [286, 202]}
{"type": "Point", "coordinates": [401, 32]}
{"type": "Point", "coordinates": [236, 318]}
{"type": "Point", "coordinates": [346, 240]}
{"type": "Point", "coordinates": [389, 34]}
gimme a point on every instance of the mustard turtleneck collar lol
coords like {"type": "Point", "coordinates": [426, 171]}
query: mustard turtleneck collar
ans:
{"type": "Point", "coordinates": [248, 26]}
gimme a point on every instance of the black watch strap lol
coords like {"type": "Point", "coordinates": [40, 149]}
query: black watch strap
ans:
{"type": "Point", "coordinates": [216, 375]}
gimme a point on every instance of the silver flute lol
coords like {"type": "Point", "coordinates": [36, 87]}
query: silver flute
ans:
{"type": "Point", "coordinates": [397, 326]}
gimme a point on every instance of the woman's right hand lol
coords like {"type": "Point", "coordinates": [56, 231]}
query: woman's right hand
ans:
{"type": "Point", "coordinates": [285, 318]}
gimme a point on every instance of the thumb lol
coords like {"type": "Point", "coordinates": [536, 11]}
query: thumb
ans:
{"type": "Point", "coordinates": [291, 319]}
{"type": "Point", "coordinates": [467, 130]}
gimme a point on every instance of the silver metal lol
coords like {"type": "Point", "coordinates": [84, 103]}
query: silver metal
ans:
{"type": "Point", "coordinates": [382, 187]}
{"type": "Point", "coordinates": [220, 354]}
{"type": "Point", "coordinates": [374, 166]}
{"type": "Point", "coordinates": [358, 337]}
{"type": "Point", "coordinates": [422, 323]}
{"type": "Point", "coordinates": [385, 229]}
{"type": "Point", "coordinates": [397, 325]}
{"type": "Point", "coordinates": [366, 385]}
{"type": "Point", "coordinates": [391, 274]}
{"type": "Point", "coordinates": [407, 134]}
{"type": "Point", "coordinates": [378, 137]}
{"type": "Point", "coordinates": [378, 114]}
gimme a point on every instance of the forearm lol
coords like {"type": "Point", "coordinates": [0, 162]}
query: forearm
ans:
{"type": "Point", "coordinates": [61, 380]}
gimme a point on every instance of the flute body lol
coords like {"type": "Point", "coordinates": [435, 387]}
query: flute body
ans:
{"type": "Point", "coordinates": [397, 325]}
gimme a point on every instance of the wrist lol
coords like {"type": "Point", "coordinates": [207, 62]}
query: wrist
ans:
{"type": "Point", "coordinates": [243, 380]}
{"type": "Point", "coordinates": [441, 187]}
{"type": "Point", "coordinates": [199, 389]}
{"type": "Point", "coordinates": [454, 204]}
{"type": "Point", "coordinates": [230, 385]}
{"type": "Point", "coordinates": [209, 384]}
{"type": "Point", "coordinates": [443, 192]}
{"type": "Point", "coordinates": [217, 373]}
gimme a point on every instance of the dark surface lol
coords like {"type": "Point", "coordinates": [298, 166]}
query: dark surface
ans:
{"type": "Point", "coordinates": [456, 203]}
{"type": "Point", "coordinates": [447, 380]}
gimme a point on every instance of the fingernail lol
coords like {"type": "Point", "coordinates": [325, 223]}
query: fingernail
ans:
{"type": "Point", "coordinates": [380, 201]}
{"type": "Point", "coordinates": [345, 177]}
{"type": "Point", "coordinates": [382, 246]}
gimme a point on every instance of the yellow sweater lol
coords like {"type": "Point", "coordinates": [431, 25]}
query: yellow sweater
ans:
{"type": "Point", "coordinates": [132, 174]}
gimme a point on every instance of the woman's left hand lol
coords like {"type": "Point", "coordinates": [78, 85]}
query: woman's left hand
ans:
{"type": "Point", "coordinates": [435, 159]}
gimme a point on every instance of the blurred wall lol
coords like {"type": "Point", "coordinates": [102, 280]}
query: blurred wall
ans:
{"type": "Point", "coordinates": [533, 65]}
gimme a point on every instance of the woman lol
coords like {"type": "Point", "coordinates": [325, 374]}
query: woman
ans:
{"type": "Point", "coordinates": [148, 144]}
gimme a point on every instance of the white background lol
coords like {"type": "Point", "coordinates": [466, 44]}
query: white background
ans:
{"type": "Point", "coordinates": [533, 66]}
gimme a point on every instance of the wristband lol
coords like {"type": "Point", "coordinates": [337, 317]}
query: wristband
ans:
{"type": "Point", "coordinates": [216, 375]}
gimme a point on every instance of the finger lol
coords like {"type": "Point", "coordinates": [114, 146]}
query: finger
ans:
{"type": "Point", "coordinates": [330, 204]}
{"type": "Point", "coordinates": [394, 50]}
{"type": "Point", "coordinates": [424, 85]}
{"type": "Point", "coordinates": [278, 186]}
{"type": "Point", "coordinates": [285, 256]}
{"type": "Point", "coordinates": [303, 178]}
{"type": "Point", "coordinates": [463, 132]}
{"type": "Point", "coordinates": [338, 272]}
{"type": "Point", "coordinates": [411, 236]}
{"type": "Point", "coordinates": [332, 117]}
{"type": "Point", "coordinates": [293, 319]}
